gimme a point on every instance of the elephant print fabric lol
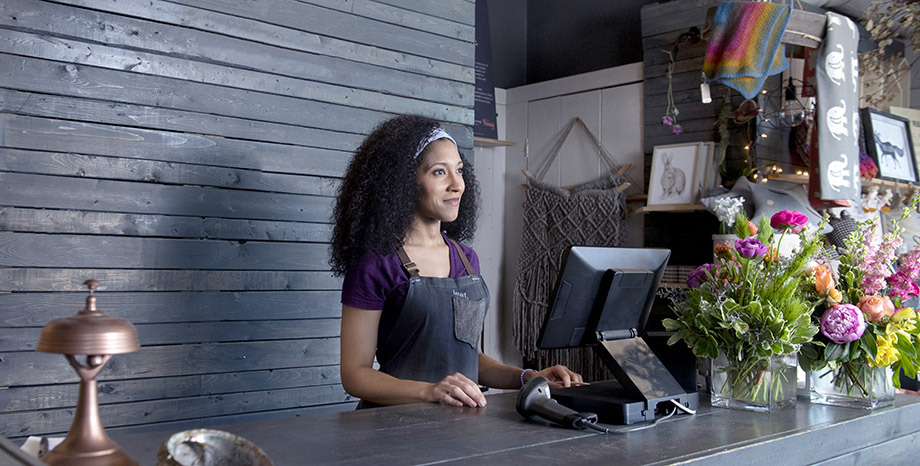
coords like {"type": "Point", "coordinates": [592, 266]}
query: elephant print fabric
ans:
{"type": "Point", "coordinates": [838, 118]}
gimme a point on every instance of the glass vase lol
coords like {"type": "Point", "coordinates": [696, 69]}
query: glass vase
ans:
{"type": "Point", "coordinates": [763, 385]}
{"type": "Point", "coordinates": [854, 385]}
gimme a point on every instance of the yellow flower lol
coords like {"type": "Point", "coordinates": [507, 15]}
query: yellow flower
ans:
{"type": "Point", "coordinates": [886, 354]}
{"type": "Point", "coordinates": [903, 314]}
{"type": "Point", "coordinates": [833, 297]}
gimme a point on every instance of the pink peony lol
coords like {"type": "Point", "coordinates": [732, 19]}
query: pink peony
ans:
{"type": "Point", "coordinates": [876, 307]}
{"type": "Point", "coordinates": [843, 323]}
{"type": "Point", "coordinates": [788, 220]}
{"type": "Point", "coordinates": [667, 121]}
{"type": "Point", "coordinates": [677, 129]}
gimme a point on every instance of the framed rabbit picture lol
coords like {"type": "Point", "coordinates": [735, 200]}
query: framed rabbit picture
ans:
{"type": "Point", "coordinates": [675, 173]}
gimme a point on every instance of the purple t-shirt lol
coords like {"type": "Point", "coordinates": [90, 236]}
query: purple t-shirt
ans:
{"type": "Point", "coordinates": [378, 282]}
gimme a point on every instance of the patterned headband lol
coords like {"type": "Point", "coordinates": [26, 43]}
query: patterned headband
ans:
{"type": "Point", "coordinates": [435, 134]}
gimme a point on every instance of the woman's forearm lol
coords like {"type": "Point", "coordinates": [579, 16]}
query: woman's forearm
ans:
{"type": "Point", "coordinates": [372, 385]}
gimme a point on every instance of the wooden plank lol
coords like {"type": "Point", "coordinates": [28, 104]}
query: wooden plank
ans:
{"type": "Point", "coordinates": [57, 279]}
{"type": "Point", "coordinates": [41, 250]}
{"type": "Point", "coordinates": [25, 339]}
{"type": "Point", "coordinates": [151, 118]}
{"type": "Point", "coordinates": [115, 223]}
{"type": "Point", "coordinates": [81, 222]}
{"type": "Point", "coordinates": [38, 397]}
{"type": "Point", "coordinates": [178, 426]}
{"type": "Point", "coordinates": [91, 166]}
{"type": "Point", "coordinates": [159, 38]}
{"type": "Point", "coordinates": [38, 75]}
{"type": "Point", "coordinates": [173, 360]}
{"type": "Point", "coordinates": [256, 31]}
{"type": "Point", "coordinates": [462, 11]}
{"type": "Point", "coordinates": [36, 309]}
{"type": "Point", "coordinates": [126, 414]}
{"type": "Point", "coordinates": [672, 16]}
{"type": "Point", "coordinates": [23, 132]}
{"type": "Point", "coordinates": [408, 18]}
{"type": "Point", "coordinates": [19, 190]}
{"type": "Point", "coordinates": [138, 62]}
{"type": "Point", "coordinates": [337, 24]}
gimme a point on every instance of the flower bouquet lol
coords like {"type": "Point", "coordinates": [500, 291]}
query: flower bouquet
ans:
{"type": "Point", "coordinates": [747, 313]}
{"type": "Point", "coordinates": [867, 336]}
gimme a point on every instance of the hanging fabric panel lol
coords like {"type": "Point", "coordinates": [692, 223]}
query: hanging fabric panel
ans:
{"type": "Point", "coordinates": [590, 214]}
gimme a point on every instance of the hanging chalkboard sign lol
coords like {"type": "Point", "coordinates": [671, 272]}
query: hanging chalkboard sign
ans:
{"type": "Point", "coordinates": [484, 109]}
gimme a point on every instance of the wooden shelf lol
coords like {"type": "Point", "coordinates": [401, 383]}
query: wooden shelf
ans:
{"type": "Point", "coordinates": [672, 208]}
{"type": "Point", "coordinates": [801, 179]}
{"type": "Point", "coordinates": [486, 142]}
{"type": "Point", "coordinates": [866, 182]}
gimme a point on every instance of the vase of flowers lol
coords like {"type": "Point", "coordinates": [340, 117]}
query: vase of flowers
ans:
{"type": "Point", "coordinates": [867, 337]}
{"type": "Point", "coordinates": [748, 314]}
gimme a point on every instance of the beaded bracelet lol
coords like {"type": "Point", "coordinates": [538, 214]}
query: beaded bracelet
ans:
{"type": "Point", "coordinates": [524, 372]}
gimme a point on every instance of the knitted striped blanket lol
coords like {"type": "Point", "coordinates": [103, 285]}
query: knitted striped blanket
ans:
{"type": "Point", "coordinates": [744, 45]}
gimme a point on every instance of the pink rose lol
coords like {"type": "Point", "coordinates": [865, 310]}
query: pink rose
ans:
{"type": "Point", "coordinates": [876, 307]}
{"type": "Point", "coordinates": [788, 220]}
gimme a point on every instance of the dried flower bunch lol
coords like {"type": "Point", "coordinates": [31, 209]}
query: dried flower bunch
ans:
{"type": "Point", "coordinates": [889, 19]}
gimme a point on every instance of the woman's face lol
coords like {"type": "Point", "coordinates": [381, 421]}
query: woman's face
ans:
{"type": "Point", "coordinates": [440, 177]}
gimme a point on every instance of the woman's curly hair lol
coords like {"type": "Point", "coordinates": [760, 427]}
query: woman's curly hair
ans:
{"type": "Point", "coordinates": [378, 197]}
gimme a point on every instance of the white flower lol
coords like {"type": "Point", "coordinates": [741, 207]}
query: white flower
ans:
{"type": "Point", "coordinates": [727, 209]}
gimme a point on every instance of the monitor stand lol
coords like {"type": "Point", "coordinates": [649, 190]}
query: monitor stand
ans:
{"type": "Point", "coordinates": [642, 391]}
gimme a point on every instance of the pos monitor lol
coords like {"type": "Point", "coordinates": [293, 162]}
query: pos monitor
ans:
{"type": "Point", "coordinates": [603, 300]}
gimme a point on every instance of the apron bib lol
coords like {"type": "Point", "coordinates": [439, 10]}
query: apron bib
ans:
{"type": "Point", "coordinates": [437, 331]}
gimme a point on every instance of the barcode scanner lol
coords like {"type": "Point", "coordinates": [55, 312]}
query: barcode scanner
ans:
{"type": "Point", "coordinates": [534, 402]}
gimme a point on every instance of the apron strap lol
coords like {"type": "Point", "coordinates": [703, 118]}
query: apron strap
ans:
{"type": "Point", "coordinates": [412, 269]}
{"type": "Point", "coordinates": [407, 264]}
{"type": "Point", "coordinates": [466, 262]}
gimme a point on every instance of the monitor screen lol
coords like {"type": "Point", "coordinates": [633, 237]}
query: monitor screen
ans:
{"type": "Point", "coordinates": [602, 289]}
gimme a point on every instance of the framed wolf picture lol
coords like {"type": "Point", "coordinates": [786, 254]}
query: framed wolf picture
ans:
{"type": "Point", "coordinates": [889, 144]}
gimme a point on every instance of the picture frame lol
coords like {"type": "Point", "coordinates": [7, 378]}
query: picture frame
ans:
{"type": "Point", "coordinates": [889, 143]}
{"type": "Point", "coordinates": [675, 174]}
{"type": "Point", "coordinates": [913, 116]}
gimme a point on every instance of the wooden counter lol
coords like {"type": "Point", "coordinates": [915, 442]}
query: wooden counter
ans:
{"type": "Point", "coordinates": [429, 433]}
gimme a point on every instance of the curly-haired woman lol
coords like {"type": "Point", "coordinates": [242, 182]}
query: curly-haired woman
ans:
{"type": "Point", "coordinates": [412, 295]}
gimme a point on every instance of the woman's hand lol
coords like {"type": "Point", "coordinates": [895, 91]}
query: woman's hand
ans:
{"type": "Point", "coordinates": [457, 390]}
{"type": "Point", "coordinates": [558, 376]}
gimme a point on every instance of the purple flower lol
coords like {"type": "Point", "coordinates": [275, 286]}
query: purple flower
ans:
{"type": "Point", "coordinates": [677, 129]}
{"type": "Point", "coordinates": [788, 220]}
{"type": "Point", "coordinates": [667, 120]}
{"type": "Point", "coordinates": [750, 247]}
{"type": "Point", "coordinates": [699, 275]}
{"type": "Point", "coordinates": [843, 323]}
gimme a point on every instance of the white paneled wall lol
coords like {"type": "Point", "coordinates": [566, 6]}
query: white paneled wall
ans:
{"type": "Point", "coordinates": [534, 116]}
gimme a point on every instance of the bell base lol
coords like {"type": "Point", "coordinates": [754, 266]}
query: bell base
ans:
{"type": "Point", "coordinates": [112, 457]}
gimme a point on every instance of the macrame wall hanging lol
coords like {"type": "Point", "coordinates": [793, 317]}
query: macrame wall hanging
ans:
{"type": "Point", "coordinates": [556, 218]}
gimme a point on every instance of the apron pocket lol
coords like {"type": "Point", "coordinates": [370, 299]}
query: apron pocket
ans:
{"type": "Point", "coordinates": [468, 318]}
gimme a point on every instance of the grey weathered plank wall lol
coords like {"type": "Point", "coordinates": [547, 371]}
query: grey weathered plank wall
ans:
{"type": "Point", "coordinates": [186, 153]}
{"type": "Point", "coordinates": [662, 24]}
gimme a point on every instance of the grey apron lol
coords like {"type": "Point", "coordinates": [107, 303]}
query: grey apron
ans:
{"type": "Point", "coordinates": [437, 330]}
